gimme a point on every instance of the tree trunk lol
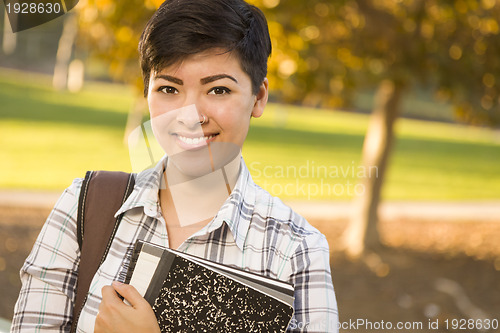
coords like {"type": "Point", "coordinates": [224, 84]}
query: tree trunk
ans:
{"type": "Point", "coordinates": [64, 50]}
{"type": "Point", "coordinates": [362, 233]}
{"type": "Point", "coordinates": [9, 39]}
{"type": "Point", "coordinates": [135, 115]}
{"type": "Point", "coordinates": [76, 75]}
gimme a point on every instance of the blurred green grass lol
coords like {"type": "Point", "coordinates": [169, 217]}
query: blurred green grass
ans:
{"type": "Point", "coordinates": [48, 138]}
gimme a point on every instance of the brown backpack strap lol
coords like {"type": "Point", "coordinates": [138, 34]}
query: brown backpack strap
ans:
{"type": "Point", "coordinates": [101, 195]}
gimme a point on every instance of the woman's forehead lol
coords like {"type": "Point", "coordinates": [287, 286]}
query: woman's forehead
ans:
{"type": "Point", "coordinates": [213, 61]}
{"type": "Point", "coordinates": [216, 55]}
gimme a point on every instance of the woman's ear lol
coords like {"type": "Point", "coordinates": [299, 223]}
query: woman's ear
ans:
{"type": "Point", "coordinates": [261, 99]}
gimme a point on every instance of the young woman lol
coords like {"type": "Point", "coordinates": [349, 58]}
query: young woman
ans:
{"type": "Point", "coordinates": [204, 64]}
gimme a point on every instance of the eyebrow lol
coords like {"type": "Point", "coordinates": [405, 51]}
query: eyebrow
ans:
{"type": "Point", "coordinates": [204, 80]}
{"type": "Point", "coordinates": [213, 78]}
{"type": "Point", "coordinates": [170, 78]}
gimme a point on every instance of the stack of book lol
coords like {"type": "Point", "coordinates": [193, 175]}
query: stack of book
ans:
{"type": "Point", "coordinates": [192, 294]}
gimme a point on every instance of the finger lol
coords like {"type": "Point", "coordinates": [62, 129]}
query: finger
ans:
{"type": "Point", "coordinates": [100, 323]}
{"type": "Point", "coordinates": [109, 295]}
{"type": "Point", "coordinates": [130, 294]}
{"type": "Point", "coordinates": [107, 309]}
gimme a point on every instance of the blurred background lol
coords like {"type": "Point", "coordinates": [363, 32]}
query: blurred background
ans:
{"type": "Point", "coordinates": [382, 130]}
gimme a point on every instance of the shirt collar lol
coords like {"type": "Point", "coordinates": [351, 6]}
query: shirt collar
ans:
{"type": "Point", "coordinates": [145, 193]}
{"type": "Point", "coordinates": [236, 211]}
{"type": "Point", "coordinates": [238, 208]}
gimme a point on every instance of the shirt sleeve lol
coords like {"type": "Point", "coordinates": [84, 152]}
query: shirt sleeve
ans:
{"type": "Point", "coordinates": [315, 304]}
{"type": "Point", "coordinates": [49, 273]}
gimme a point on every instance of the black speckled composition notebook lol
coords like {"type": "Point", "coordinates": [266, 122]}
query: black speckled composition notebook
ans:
{"type": "Point", "coordinates": [192, 294]}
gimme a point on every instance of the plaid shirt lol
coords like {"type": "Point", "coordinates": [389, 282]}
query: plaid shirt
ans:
{"type": "Point", "coordinates": [252, 230]}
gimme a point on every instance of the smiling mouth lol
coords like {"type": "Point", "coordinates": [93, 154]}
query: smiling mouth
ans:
{"type": "Point", "coordinates": [195, 141]}
{"type": "Point", "coordinates": [192, 141]}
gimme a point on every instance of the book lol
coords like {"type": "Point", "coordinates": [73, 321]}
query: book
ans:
{"type": "Point", "coordinates": [192, 294]}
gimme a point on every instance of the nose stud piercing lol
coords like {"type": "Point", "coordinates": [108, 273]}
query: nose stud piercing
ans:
{"type": "Point", "coordinates": [204, 119]}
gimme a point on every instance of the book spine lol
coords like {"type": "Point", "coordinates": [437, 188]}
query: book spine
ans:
{"type": "Point", "coordinates": [161, 272]}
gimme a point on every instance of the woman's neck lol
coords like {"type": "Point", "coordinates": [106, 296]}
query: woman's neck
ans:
{"type": "Point", "coordinates": [188, 201]}
{"type": "Point", "coordinates": [202, 184]}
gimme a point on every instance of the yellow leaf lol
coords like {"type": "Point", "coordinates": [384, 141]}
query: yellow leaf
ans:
{"type": "Point", "coordinates": [455, 52]}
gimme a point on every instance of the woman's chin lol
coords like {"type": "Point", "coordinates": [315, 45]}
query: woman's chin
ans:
{"type": "Point", "coordinates": [206, 159]}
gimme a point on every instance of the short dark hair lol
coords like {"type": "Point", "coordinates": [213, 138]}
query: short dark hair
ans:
{"type": "Point", "coordinates": [180, 28]}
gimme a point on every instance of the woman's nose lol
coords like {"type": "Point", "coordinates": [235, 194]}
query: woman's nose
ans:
{"type": "Point", "coordinates": [189, 116]}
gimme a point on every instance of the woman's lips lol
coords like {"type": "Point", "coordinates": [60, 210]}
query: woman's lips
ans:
{"type": "Point", "coordinates": [193, 142]}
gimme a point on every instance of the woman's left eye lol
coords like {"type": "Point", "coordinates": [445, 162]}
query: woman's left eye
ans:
{"type": "Point", "coordinates": [219, 91]}
{"type": "Point", "coordinates": [168, 90]}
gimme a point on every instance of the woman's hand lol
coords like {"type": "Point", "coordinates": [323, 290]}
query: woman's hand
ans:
{"type": "Point", "coordinates": [116, 316]}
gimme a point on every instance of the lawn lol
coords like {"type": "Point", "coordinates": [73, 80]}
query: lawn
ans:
{"type": "Point", "coordinates": [48, 138]}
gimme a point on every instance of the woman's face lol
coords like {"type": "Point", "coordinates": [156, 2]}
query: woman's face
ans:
{"type": "Point", "coordinates": [201, 108]}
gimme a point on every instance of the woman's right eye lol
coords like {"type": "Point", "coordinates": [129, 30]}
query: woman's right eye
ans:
{"type": "Point", "coordinates": [168, 90]}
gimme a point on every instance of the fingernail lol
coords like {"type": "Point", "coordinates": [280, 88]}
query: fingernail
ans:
{"type": "Point", "coordinates": [117, 283]}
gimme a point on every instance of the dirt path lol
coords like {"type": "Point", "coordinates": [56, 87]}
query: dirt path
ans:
{"type": "Point", "coordinates": [434, 269]}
